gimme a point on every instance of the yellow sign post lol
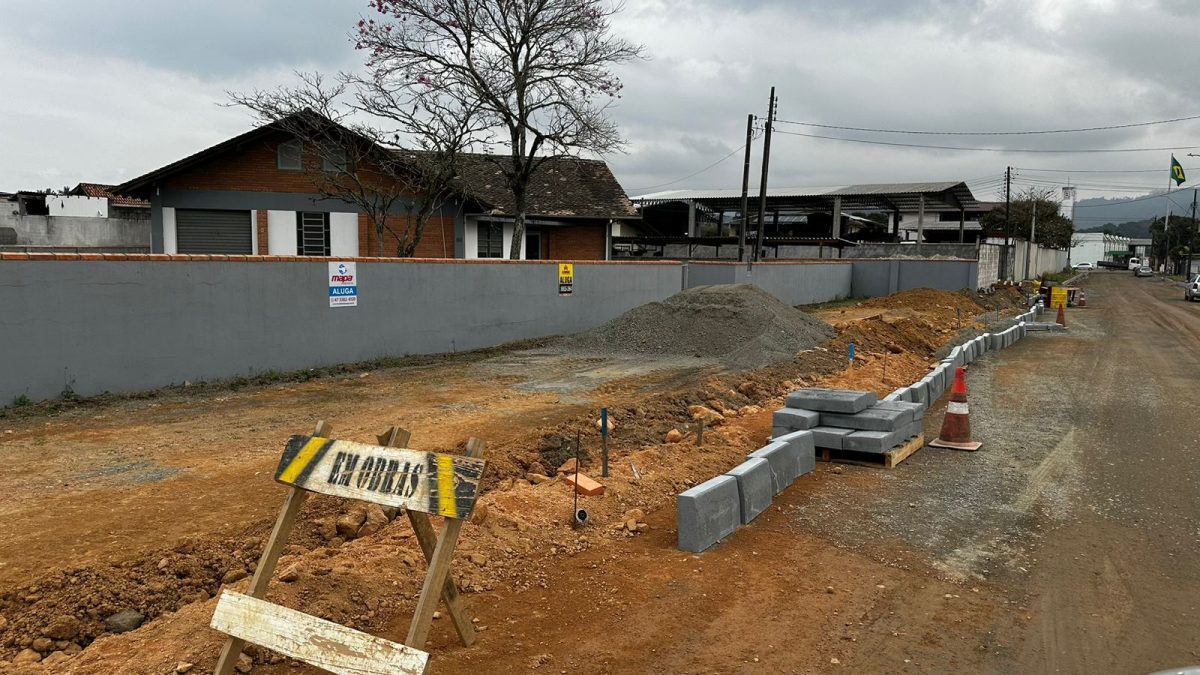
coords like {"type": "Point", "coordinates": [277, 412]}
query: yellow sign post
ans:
{"type": "Point", "coordinates": [566, 278]}
{"type": "Point", "coordinates": [1058, 297]}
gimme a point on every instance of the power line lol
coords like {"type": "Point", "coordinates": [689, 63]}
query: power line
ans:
{"type": "Point", "coordinates": [992, 133]}
{"type": "Point", "coordinates": [1190, 168]}
{"type": "Point", "coordinates": [691, 175]}
{"type": "Point", "coordinates": [963, 149]}
{"type": "Point", "coordinates": [1136, 199]}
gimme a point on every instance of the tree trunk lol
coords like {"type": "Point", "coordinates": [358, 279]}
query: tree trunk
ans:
{"type": "Point", "coordinates": [514, 251]}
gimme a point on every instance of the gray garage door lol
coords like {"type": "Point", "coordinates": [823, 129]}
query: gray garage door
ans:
{"type": "Point", "coordinates": [213, 231]}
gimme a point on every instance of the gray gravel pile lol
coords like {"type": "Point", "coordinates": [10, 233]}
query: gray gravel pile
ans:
{"type": "Point", "coordinates": [739, 324]}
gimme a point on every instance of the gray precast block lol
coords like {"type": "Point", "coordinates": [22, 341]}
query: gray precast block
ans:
{"type": "Point", "coordinates": [871, 419]}
{"type": "Point", "coordinates": [708, 513]}
{"type": "Point", "coordinates": [906, 394]}
{"type": "Point", "coordinates": [805, 445]}
{"type": "Point", "coordinates": [831, 400]}
{"type": "Point", "coordinates": [784, 460]}
{"type": "Point", "coordinates": [917, 428]}
{"type": "Point", "coordinates": [920, 390]}
{"type": "Point", "coordinates": [897, 395]}
{"type": "Point", "coordinates": [873, 441]}
{"type": "Point", "coordinates": [755, 487]}
{"type": "Point", "coordinates": [795, 419]}
{"type": "Point", "coordinates": [981, 344]}
{"type": "Point", "coordinates": [915, 411]}
{"type": "Point", "coordinates": [830, 437]}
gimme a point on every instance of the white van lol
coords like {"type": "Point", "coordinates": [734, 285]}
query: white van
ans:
{"type": "Point", "coordinates": [1135, 263]}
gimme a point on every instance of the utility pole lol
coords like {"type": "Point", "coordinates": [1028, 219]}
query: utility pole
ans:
{"type": "Point", "coordinates": [1007, 218]}
{"type": "Point", "coordinates": [745, 190]}
{"type": "Point", "coordinates": [1032, 234]}
{"type": "Point", "coordinates": [762, 187]}
{"type": "Point", "coordinates": [1192, 242]}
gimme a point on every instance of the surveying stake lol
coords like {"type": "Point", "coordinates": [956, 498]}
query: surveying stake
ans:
{"type": "Point", "coordinates": [389, 475]}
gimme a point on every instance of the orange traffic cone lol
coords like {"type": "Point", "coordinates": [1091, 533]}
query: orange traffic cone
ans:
{"type": "Point", "coordinates": [956, 425]}
{"type": "Point", "coordinates": [1082, 301]}
{"type": "Point", "coordinates": [1062, 317]}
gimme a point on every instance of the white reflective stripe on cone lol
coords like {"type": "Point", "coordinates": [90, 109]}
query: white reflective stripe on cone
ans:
{"type": "Point", "coordinates": [956, 408]}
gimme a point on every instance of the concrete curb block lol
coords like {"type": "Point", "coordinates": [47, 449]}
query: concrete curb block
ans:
{"type": "Point", "coordinates": [830, 437]}
{"type": "Point", "coordinates": [831, 400]}
{"type": "Point", "coordinates": [755, 487]}
{"type": "Point", "coordinates": [784, 460]}
{"type": "Point", "coordinates": [708, 513]}
{"type": "Point", "coordinates": [795, 419]}
{"type": "Point", "coordinates": [805, 446]}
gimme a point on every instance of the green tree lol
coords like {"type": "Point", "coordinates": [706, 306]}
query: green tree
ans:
{"type": "Point", "coordinates": [1175, 243]}
{"type": "Point", "coordinates": [1053, 229]}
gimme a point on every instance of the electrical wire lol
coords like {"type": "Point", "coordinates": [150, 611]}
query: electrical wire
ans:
{"type": "Point", "coordinates": [963, 149]}
{"type": "Point", "coordinates": [992, 133]}
{"type": "Point", "coordinates": [691, 175]}
{"type": "Point", "coordinates": [1189, 168]}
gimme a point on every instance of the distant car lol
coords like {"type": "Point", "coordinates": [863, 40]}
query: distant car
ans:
{"type": "Point", "coordinates": [1191, 291]}
{"type": "Point", "coordinates": [1085, 266]}
{"type": "Point", "coordinates": [1135, 263]}
{"type": "Point", "coordinates": [1143, 271]}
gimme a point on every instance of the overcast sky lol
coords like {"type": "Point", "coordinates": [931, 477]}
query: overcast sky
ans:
{"type": "Point", "coordinates": [105, 91]}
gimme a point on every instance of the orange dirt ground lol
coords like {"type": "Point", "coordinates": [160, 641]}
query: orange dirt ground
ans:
{"type": "Point", "coordinates": [155, 504]}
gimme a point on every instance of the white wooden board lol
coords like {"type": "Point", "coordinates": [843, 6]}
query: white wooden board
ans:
{"type": "Point", "coordinates": [429, 482]}
{"type": "Point", "coordinates": [318, 642]}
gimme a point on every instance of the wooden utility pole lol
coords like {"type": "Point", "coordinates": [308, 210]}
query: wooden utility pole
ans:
{"type": "Point", "coordinates": [745, 190]}
{"type": "Point", "coordinates": [762, 187]}
{"type": "Point", "coordinates": [1007, 218]}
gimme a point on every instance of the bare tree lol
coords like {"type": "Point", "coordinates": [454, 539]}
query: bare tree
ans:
{"type": "Point", "coordinates": [539, 71]}
{"type": "Point", "coordinates": [367, 164]}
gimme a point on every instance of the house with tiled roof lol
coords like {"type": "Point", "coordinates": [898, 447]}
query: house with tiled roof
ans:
{"type": "Point", "coordinates": [252, 195]}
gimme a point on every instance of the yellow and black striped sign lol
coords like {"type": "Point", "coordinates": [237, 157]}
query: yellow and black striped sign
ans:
{"type": "Point", "coordinates": [430, 482]}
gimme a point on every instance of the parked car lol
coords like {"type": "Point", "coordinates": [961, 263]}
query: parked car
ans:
{"type": "Point", "coordinates": [1134, 263]}
{"type": "Point", "coordinates": [1143, 271]}
{"type": "Point", "coordinates": [1085, 266]}
{"type": "Point", "coordinates": [1191, 291]}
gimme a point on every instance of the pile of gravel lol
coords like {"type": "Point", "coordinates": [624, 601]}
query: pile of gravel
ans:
{"type": "Point", "coordinates": [739, 324]}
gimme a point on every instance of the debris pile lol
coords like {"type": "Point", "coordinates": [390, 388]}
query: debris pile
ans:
{"type": "Point", "coordinates": [740, 325]}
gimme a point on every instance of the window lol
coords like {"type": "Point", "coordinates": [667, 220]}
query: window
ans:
{"type": "Point", "coordinates": [312, 233]}
{"type": "Point", "coordinates": [491, 240]}
{"type": "Point", "coordinates": [334, 160]}
{"type": "Point", "coordinates": [291, 156]}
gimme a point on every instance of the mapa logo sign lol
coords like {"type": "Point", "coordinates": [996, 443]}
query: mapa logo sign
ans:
{"type": "Point", "coordinates": [343, 284]}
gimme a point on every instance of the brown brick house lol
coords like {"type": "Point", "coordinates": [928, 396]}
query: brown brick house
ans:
{"type": "Point", "coordinates": [248, 195]}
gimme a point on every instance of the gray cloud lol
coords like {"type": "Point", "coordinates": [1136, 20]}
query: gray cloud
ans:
{"type": "Point", "coordinates": [108, 90]}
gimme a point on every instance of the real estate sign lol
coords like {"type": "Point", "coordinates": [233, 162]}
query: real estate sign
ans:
{"type": "Point", "coordinates": [566, 278]}
{"type": "Point", "coordinates": [343, 284]}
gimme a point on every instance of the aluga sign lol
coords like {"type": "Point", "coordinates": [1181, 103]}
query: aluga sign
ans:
{"type": "Point", "coordinates": [343, 284]}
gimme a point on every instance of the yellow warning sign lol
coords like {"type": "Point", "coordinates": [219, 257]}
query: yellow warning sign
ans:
{"type": "Point", "coordinates": [566, 273]}
{"type": "Point", "coordinates": [1058, 297]}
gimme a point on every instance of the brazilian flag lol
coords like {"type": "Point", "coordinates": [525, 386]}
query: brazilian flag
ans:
{"type": "Point", "coordinates": [1177, 171]}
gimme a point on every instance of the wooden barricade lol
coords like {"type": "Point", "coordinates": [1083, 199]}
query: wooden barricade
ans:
{"type": "Point", "coordinates": [422, 483]}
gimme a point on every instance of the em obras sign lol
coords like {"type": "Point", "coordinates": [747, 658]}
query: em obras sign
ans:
{"type": "Point", "coordinates": [343, 284]}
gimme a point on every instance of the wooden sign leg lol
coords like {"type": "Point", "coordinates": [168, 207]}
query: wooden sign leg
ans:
{"type": "Point", "coordinates": [266, 563]}
{"type": "Point", "coordinates": [439, 570]}
{"type": "Point", "coordinates": [427, 538]}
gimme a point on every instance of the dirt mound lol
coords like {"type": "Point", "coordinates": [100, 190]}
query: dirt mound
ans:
{"type": "Point", "coordinates": [739, 324]}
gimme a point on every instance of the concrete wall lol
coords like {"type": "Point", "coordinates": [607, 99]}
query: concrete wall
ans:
{"type": "Point", "coordinates": [117, 326]}
{"type": "Point", "coordinates": [873, 250]}
{"type": "Point", "coordinates": [1041, 260]}
{"type": "Point", "coordinates": [69, 231]}
{"type": "Point", "coordinates": [796, 283]}
{"type": "Point", "coordinates": [875, 277]}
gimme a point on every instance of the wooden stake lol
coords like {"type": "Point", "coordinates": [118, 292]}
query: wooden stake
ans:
{"type": "Point", "coordinates": [439, 569]}
{"type": "Point", "coordinates": [700, 434]}
{"type": "Point", "coordinates": [267, 561]}
{"type": "Point", "coordinates": [427, 538]}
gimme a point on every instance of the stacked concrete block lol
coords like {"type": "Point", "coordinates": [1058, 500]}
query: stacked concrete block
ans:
{"type": "Point", "coordinates": [914, 411]}
{"type": "Point", "coordinates": [755, 487]}
{"type": "Point", "coordinates": [787, 420]}
{"type": "Point", "coordinates": [830, 437]}
{"type": "Point", "coordinates": [874, 441]}
{"type": "Point", "coordinates": [875, 418]}
{"type": "Point", "coordinates": [784, 459]}
{"type": "Point", "coordinates": [804, 445]}
{"type": "Point", "coordinates": [708, 513]}
{"type": "Point", "coordinates": [831, 400]}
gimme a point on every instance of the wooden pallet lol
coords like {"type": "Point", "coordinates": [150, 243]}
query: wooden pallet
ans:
{"type": "Point", "coordinates": [887, 460]}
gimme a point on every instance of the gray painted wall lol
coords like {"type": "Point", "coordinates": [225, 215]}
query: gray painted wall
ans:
{"type": "Point", "coordinates": [125, 326]}
{"type": "Point", "coordinates": [874, 278]}
{"type": "Point", "coordinates": [794, 283]}
{"type": "Point", "coordinates": [869, 250]}
{"type": "Point", "coordinates": [71, 231]}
